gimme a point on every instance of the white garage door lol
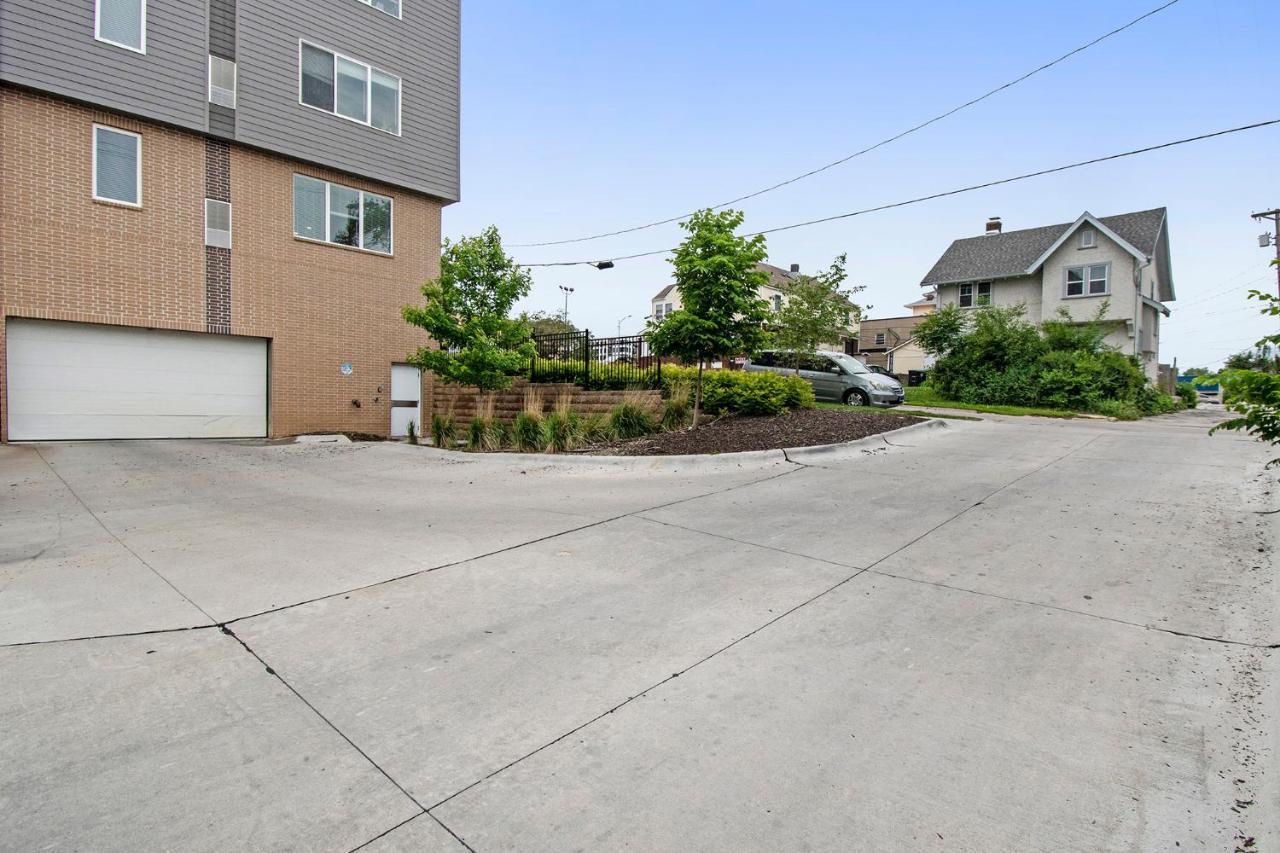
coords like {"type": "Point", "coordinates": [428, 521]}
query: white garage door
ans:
{"type": "Point", "coordinates": [75, 380]}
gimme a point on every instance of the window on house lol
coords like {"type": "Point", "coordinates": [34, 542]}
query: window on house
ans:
{"type": "Point", "coordinates": [222, 82]}
{"type": "Point", "coordinates": [1088, 281]}
{"type": "Point", "coordinates": [975, 294]}
{"type": "Point", "coordinates": [391, 7]}
{"type": "Point", "coordinates": [347, 87]}
{"type": "Point", "coordinates": [217, 223]}
{"type": "Point", "coordinates": [777, 302]}
{"type": "Point", "coordinates": [117, 165]}
{"type": "Point", "coordinates": [1088, 238]}
{"type": "Point", "coordinates": [122, 23]}
{"type": "Point", "coordinates": [879, 339]}
{"type": "Point", "coordinates": [332, 213]}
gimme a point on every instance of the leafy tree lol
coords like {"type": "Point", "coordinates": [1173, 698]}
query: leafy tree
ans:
{"type": "Point", "coordinates": [719, 282]}
{"type": "Point", "coordinates": [543, 323]}
{"type": "Point", "coordinates": [941, 332]}
{"type": "Point", "coordinates": [468, 313]}
{"type": "Point", "coordinates": [816, 310]}
{"type": "Point", "coordinates": [1253, 393]}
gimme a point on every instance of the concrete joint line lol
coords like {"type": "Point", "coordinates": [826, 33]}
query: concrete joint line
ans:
{"type": "Point", "coordinates": [117, 539]}
{"type": "Point", "coordinates": [272, 672]}
{"type": "Point", "coordinates": [387, 832]}
{"type": "Point", "coordinates": [646, 691]}
{"type": "Point", "coordinates": [214, 623]}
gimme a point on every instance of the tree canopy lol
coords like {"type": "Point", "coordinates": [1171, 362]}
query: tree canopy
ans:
{"type": "Point", "coordinates": [717, 274]}
{"type": "Point", "coordinates": [816, 310]}
{"type": "Point", "coordinates": [468, 314]}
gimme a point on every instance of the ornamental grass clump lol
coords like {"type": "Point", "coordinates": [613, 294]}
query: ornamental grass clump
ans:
{"type": "Point", "coordinates": [630, 418]}
{"type": "Point", "coordinates": [675, 413]}
{"type": "Point", "coordinates": [526, 430]}
{"type": "Point", "coordinates": [442, 429]}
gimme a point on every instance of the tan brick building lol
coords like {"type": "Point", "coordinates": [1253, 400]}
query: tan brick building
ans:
{"type": "Point", "coordinates": [170, 275]}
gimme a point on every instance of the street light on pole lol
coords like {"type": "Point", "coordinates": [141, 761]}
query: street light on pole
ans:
{"type": "Point", "coordinates": [567, 291]}
{"type": "Point", "coordinates": [620, 322]}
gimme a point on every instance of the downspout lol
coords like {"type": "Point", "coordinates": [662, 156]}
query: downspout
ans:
{"type": "Point", "coordinates": [1137, 308]}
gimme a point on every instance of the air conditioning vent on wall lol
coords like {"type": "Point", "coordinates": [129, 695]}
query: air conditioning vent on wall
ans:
{"type": "Point", "coordinates": [217, 223]}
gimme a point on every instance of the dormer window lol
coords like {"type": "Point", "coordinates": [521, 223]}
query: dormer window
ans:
{"type": "Point", "coordinates": [1088, 238]}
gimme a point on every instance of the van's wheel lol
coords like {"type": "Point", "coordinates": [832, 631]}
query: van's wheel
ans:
{"type": "Point", "coordinates": [856, 397]}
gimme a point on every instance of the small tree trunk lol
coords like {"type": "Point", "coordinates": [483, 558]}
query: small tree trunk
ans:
{"type": "Point", "coordinates": [697, 395]}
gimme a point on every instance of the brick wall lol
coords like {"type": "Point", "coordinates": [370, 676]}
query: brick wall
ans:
{"type": "Point", "coordinates": [465, 403]}
{"type": "Point", "coordinates": [64, 256]}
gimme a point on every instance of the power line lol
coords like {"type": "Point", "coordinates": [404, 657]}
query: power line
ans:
{"type": "Point", "coordinates": [934, 196]}
{"type": "Point", "coordinates": [1226, 285]}
{"type": "Point", "coordinates": [863, 151]}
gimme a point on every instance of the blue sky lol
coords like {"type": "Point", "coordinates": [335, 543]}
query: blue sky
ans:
{"type": "Point", "coordinates": [584, 117]}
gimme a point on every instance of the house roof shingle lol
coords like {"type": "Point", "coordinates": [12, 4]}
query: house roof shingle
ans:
{"type": "Point", "coordinates": [1011, 254]}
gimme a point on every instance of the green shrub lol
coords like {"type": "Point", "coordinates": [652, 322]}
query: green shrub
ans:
{"type": "Point", "coordinates": [411, 432]}
{"type": "Point", "coordinates": [630, 420]}
{"type": "Point", "coordinates": [1188, 394]}
{"type": "Point", "coordinates": [1118, 409]}
{"type": "Point", "coordinates": [526, 431]}
{"type": "Point", "coordinates": [442, 431]}
{"type": "Point", "coordinates": [1152, 401]}
{"type": "Point", "coordinates": [798, 394]}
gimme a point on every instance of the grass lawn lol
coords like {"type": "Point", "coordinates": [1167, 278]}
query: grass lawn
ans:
{"type": "Point", "coordinates": [924, 396]}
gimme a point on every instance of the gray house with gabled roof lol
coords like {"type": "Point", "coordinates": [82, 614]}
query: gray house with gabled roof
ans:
{"type": "Point", "coordinates": [1077, 266]}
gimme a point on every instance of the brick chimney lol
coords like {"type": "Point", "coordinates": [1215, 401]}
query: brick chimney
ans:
{"type": "Point", "coordinates": [994, 225]}
{"type": "Point", "coordinates": [795, 268]}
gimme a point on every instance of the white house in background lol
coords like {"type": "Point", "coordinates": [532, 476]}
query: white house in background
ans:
{"type": "Point", "coordinates": [773, 292]}
{"type": "Point", "coordinates": [1076, 266]}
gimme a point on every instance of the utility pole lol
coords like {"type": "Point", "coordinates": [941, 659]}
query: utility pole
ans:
{"type": "Point", "coordinates": [620, 322]}
{"type": "Point", "coordinates": [1271, 239]}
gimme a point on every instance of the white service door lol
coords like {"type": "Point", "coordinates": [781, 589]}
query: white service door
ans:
{"type": "Point", "coordinates": [406, 399]}
{"type": "Point", "coordinates": [81, 381]}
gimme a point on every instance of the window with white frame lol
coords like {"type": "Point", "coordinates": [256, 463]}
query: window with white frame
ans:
{"type": "Point", "coordinates": [117, 166]}
{"type": "Point", "coordinates": [332, 213]}
{"type": "Point", "coordinates": [122, 23]}
{"type": "Point", "coordinates": [1088, 281]}
{"type": "Point", "coordinates": [347, 87]}
{"type": "Point", "coordinates": [777, 302]}
{"type": "Point", "coordinates": [391, 7]}
{"type": "Point", "coordinates": [975, 294]}
{"type": "Point", "coordinates": [222, 81]}
{"type": "Point", "coordinates": [217, 223]}
{"type": "Point", "coordinates": [1088, 238]}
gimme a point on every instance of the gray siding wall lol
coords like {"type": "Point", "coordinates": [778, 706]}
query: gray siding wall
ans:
{"type": "Point", "coordinates": [49, 45]}
{"type": "Point", "coordinates": [222, 28]}
{"type": "Point", "coordinates": [422, 49]}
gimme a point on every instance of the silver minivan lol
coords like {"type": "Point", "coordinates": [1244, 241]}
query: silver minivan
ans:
{"type": "Point", "coordinates": [835, 377]}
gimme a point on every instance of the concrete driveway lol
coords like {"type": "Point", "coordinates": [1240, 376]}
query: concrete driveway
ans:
{"type": "Point", "coordinates": [1018, 634]}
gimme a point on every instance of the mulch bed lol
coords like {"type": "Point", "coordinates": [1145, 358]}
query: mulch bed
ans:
{"type": "Point", "coordinates": [801, 428]}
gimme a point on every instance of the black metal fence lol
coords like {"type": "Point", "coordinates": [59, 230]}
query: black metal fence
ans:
{"type": "Point", "coordinates": [597, 363]}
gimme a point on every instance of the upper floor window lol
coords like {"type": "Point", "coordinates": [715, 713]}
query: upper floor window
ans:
{"type": "Point", "coordinates": [222, 81]}
{"type": "Point", "coordinates": [338, 84]}
{"type": "Point", "coordinates": [333, 213]}
{"type": "Point", "coordinates": [122, 23]}
{"type": "Point", "coordinates": [217, 223]}
{"type": "Point", "coordinates": [1088, 238]}
{"type": "Point", "coordinates": [777, 302]}
{"type": "Point", "coordinates": [975, 294]}
{"type": "Point", "coordinates": [117, 166]}
{"type": "Point", "coordinates": [1088, 281]}
{"type": "Point", "coordinates": [391, 7]}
